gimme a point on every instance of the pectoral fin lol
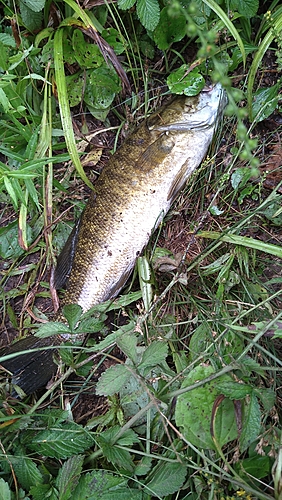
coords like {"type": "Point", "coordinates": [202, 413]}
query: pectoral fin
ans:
{"type": "Point", "coordinates": [178, 183]}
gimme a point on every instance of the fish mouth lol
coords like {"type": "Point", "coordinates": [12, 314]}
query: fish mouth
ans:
{"type": "Point", "coordinates": [203, 118]}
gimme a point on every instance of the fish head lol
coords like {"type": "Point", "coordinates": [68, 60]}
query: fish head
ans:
{"type": "Point", "coordinates": [186, 113]}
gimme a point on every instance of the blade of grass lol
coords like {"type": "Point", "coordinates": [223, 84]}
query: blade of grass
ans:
{"type": "Point", "coordinates": [64, 105]}
{"type": "Point", "coordinates": [229, 25]}
{"type": "Point", "coordinates": [244, 241]}
{"type": "Point", "coordinates": [275, 28]}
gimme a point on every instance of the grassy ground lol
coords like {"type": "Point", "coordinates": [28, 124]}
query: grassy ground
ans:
{"type": "Point", "coordinates": [176, 394]}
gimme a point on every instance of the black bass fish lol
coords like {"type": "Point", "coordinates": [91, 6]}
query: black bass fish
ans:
{"type": "Point", "coordinates": [132, 195]}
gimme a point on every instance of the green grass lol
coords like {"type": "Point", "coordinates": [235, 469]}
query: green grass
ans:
{"type": "Point", "coordinates": [186, 368]}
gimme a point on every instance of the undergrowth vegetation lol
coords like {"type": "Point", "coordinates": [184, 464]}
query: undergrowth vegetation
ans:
{"type": "Point", "coordinates": [176, 393]}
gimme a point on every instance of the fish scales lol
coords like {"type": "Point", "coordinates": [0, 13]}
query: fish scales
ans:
{"type": "Point", "coordinates": [135, 190]}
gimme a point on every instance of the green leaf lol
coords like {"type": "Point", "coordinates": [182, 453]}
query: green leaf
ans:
{"type": "Point", "coordinates": [62, 442]}
{"type": "Point", "coordinates": [170, 29]}
{"type": "Point", "coordinates": [91, 325]}
{"type": "Point", "coordinates": [251, 423]}
{"type": "Point", "coordinates": [229, 25]}
{"type": "Point", "coordinates": [112, 380]}
{"type": "Point", "coordinates": [27, 472]}
{"type": "Point", "coordinates": [10, 190]}
{"type": "Point", "coordinates": [145, 281]}
{"type": "Point", "coordinates": [101, 86]}
{"type": "Point", "coordinates": [167, 479]}
{"type": "Point", "coordinates": [68, 476]}
{"type": "Point", "coordinates": [193, 411]}
{"type": "Point", "coordinates": [64, 105]}
{"type": "Point", "coordinates": [4, 101]}
{"type": "Point", "coordinates": [126, 4]}
{"type": "Point", "coordinates": [88, 55]}
{"type": "Point", "coordinates": [128, 438]}
{"type": "Point", "coordinates": [267, 397]}
{"type": "Point", "coordinates": [102, 485]}
{"type": "Point", "coordinates": [200, 340]}
{"type": "Point", "coordinates": [50, 329]}
{"type": "Point", "coordinates": [42, 492]}
{"type": "Point", "coordinates": [240, 177]}
{"type": "Point", "coordinates": [234, 390]}
{"type": "Point", "coordinates": [115, 40]}
{"type": "Point", "coordinates": [72, 313]}
{"type": "Point", "coordinates": [32, 19]}
{"type": "Point", "coordinates": [75, 84]}
{"type": "Point", "coordinates": [116, 456]}
{"type": "Point", "coordinates": [189, 84]}
{"type": "Point", "coordinates": [255, 466]}
{"type": "Point", "coordinates": [154, 354]}
{"type": "Point", "coordinates": [245, 241]}
{"type": "Point", "coordinates": [34, 5]}
{"type": "Point", "coordinates": [7, 39]}
{"type": "Point", "coordinates": [128, 344]}
{"type": "Point", "coordinates": [148, 12]}
{"type": "Point", "coordinates": [248, 8]}
{"type": "Point", "coordinates": [5, 492]}
{"type": "Point", "coordinates": [265, 102]}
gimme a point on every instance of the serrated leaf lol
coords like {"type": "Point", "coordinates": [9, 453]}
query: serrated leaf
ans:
{"type": "Point", "coordinates": [126, 4]}
{"type": "Point", "coordinates": [251, 423]}
{"type": "Point", "coordinates": [154, 354]}
{"type": "Point", "coordinates": [72, 313]}
{"type": "Point", "coordinates": [249, 365]}
{"type": "Point", "coordinates": [128, 343]}
{"type": "Point", "coordinates": [148, 12]}
{"type": "Point", "coordinates": [101, 484]}
{"type": "Point", "coordinates": [128, 438]}
{"type": "Point", "coordinates": [183, 82]}
{"type": "Point", "coordinates": [34, 5]}
{"type": "Point", "coordinates": [91, 325]}
{"type": "Point", "coordinates": [5, 492]}
{"type": "Point", "coordinates": [193, 411]}
{"type": "Point", "coordinates": [27, 472]}
{"type": "Point", "coordinates": [248, 8]}
{"type": "Point", "coordinates": [234, 390]}
{"type": "Point", "coordinates": [41, 492]}
{"type": "Point", "coordinates": [167, 479]}
{"type": "Point", "coordinates": [8, 40]}
{"type": "Point", "coordinates": [267, 397]}
{"type": "Point", "coordinates": [112, 380]}
{"type": "Point", "coordinates": [62, 442]}
{"type": "Point", "coordinates": [68, 476]}
{"type": "Point", "coordinates": [143, 467]}
{"type": "Point", "coordinates": [32, 19]}
{"type": "Point", "coordinates": [117, 456]}
{"type": "Point", "coordinates": [50, 329]}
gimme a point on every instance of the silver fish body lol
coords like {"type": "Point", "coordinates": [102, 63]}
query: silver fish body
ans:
{"type": "Point", "coordinates": [135, 191]}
